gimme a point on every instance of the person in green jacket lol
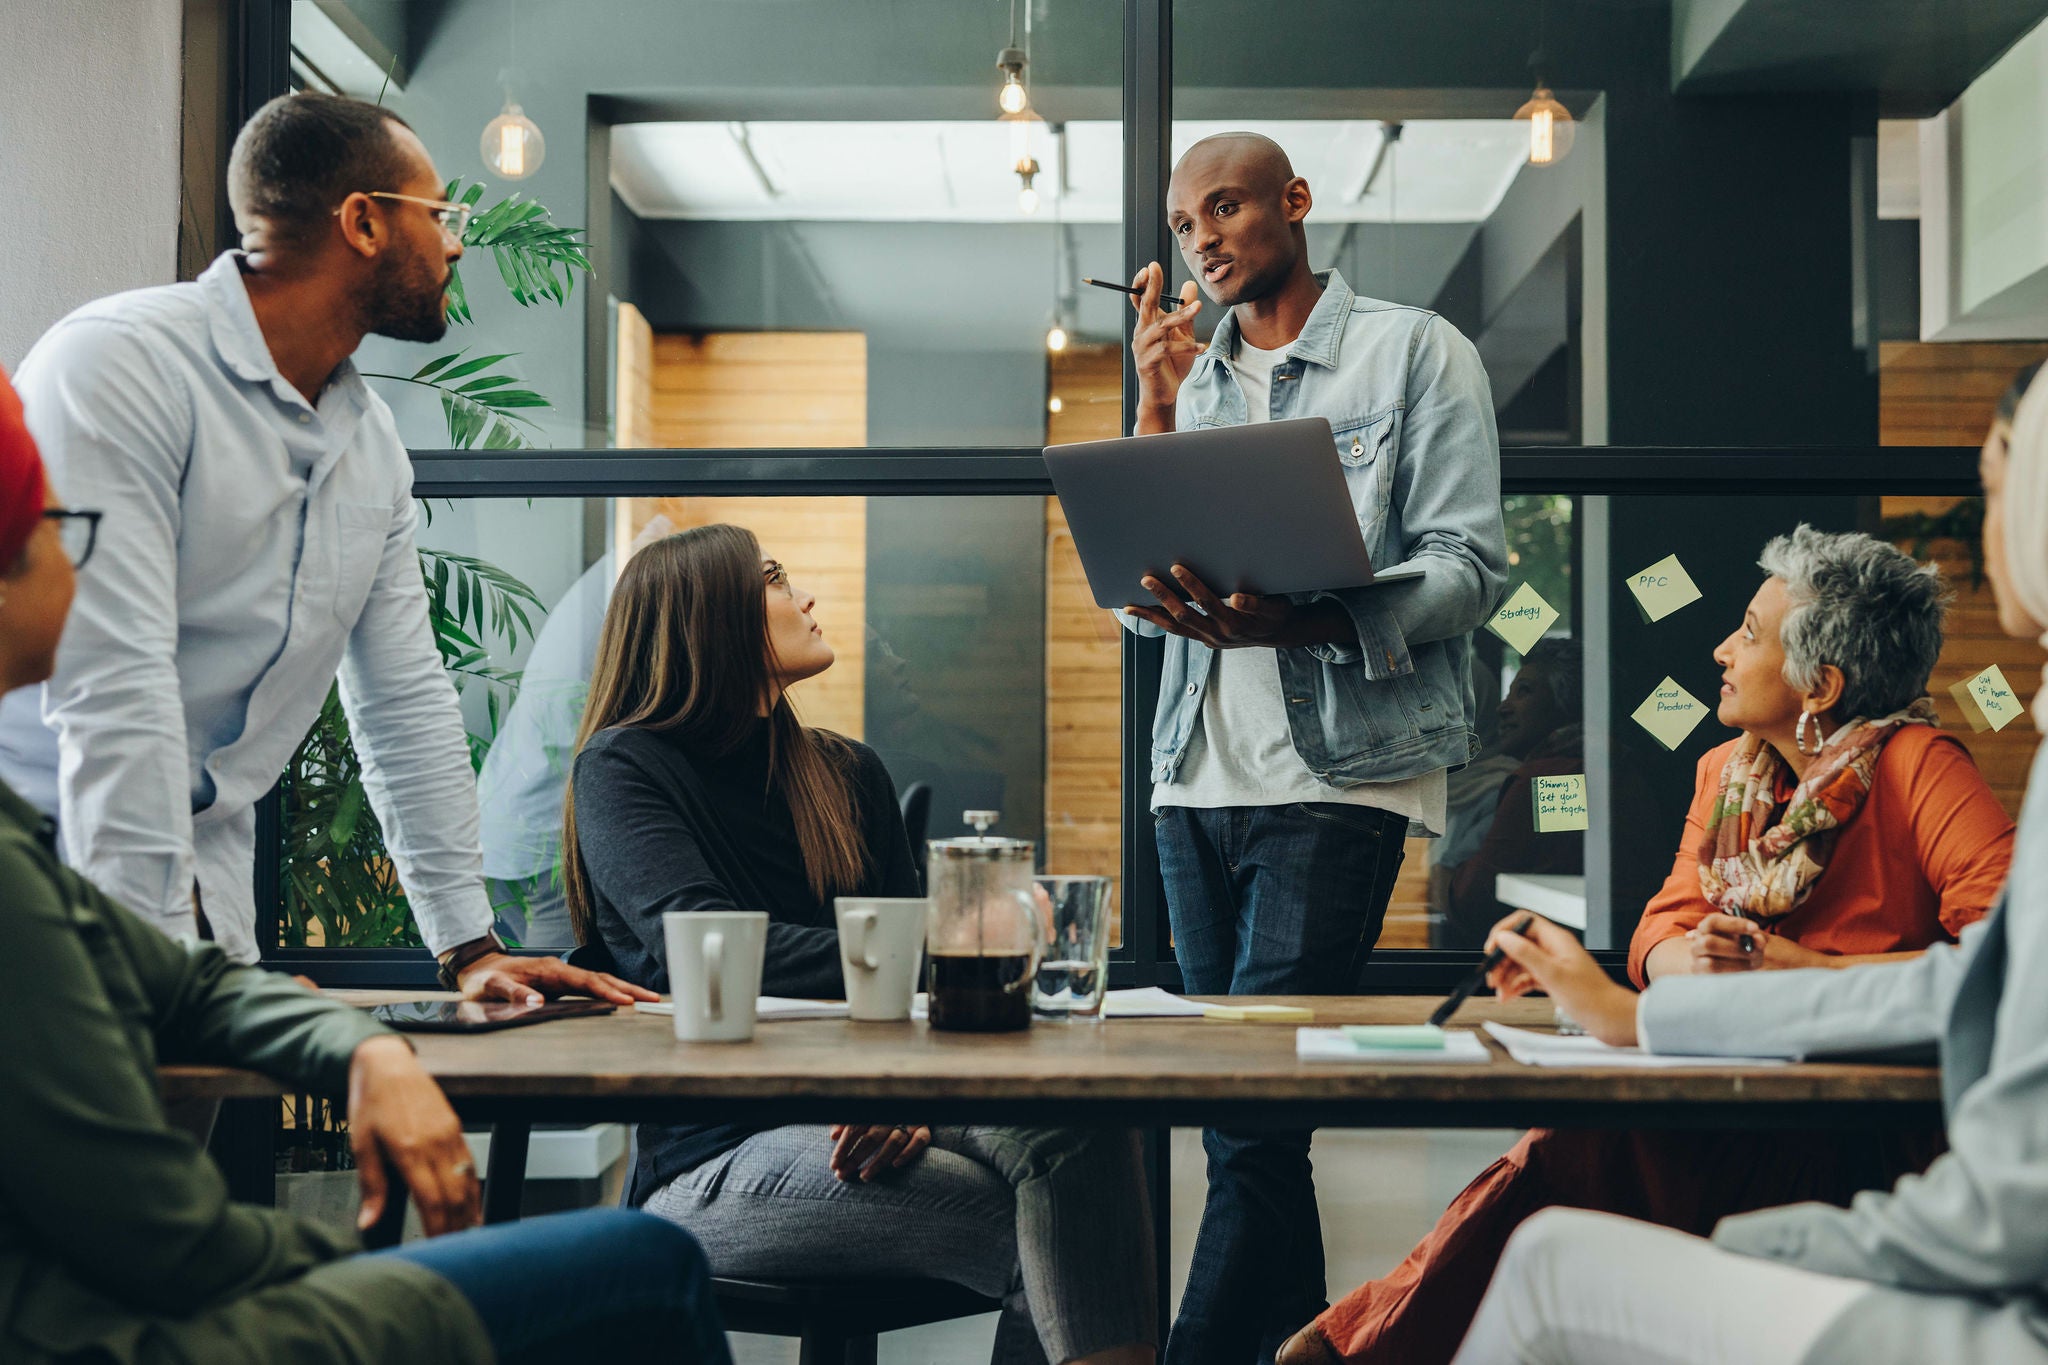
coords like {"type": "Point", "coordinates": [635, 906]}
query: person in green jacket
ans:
{"type": "Point", "coordinates": [118, 1242]}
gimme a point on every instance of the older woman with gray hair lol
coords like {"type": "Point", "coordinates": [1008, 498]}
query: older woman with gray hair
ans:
{"type": "Point", "coordinates": [1840, 827]}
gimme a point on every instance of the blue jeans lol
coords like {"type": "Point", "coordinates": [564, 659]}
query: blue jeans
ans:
{"type": "Point", "coordinates": [595, 1285]}
{"type": "Point", "coordinates": [1266, 900]}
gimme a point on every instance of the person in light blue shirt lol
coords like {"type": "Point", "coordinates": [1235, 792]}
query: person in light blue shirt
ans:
{"type": "Point", "coordinates": [1299, 739]}
{"type": "Point", "coordinates": [257, 544]}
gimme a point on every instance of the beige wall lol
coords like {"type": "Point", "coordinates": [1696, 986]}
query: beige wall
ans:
{"type": "Point", "coordinates": [89, 145]}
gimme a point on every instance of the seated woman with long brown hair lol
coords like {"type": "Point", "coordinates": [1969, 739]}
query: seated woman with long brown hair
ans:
{"type": "Point", "coordinates": [697, 788]}
{"type": "Point", "coordinates": [1841, 827]}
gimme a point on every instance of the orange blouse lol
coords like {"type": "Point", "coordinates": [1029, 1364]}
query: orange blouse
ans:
{"type": "Point", "coordinates": [1925, 856]}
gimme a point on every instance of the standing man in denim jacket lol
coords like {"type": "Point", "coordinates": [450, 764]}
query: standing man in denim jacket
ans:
{"type": "Point", "coordinates": [1299, 739]}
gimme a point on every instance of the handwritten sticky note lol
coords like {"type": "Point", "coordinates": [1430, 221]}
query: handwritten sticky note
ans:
{"type": "Point", "coordinates": [1987, 700]}
{"type": "Point", "coordinates": [1560, 802]}
{"type": "Point", "coordinates": [1522, 619]}
{"type": "Point", "coordinates": [1670, 713]}
{"type": "Point", "coordinates": [1663, 588]}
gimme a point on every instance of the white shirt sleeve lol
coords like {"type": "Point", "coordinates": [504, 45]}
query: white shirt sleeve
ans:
{"type": "Point", "coordinates": [116, 432]}
{"type": "Point", "coordinates": [408, 732]}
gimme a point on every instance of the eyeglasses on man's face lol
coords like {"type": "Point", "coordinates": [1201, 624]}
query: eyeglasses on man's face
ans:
{"type": "Point", "coordinates": [77, 532]}
{"type": "Point", "coordinates": [453, 217]}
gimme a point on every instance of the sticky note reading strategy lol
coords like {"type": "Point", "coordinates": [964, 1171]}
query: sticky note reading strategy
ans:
{"type": "Point", "coordinates": [1522, 619]}
{"type": "Point", "coordinates": [1987, 700]}
{"type": "Point", "coordinates": [1663, 588]}
{"type": "Point", "coordinates": [1670, 713]}
{"type": "Point", "coordinates": [1560, 803]}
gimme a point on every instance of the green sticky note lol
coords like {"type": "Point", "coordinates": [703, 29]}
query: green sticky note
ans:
{"type": "Point", "coordinates": [1988, 701]}
{"type": "Point", "coordinates": [1670, 713]}
{"type": "Point", "coordinates": [1522, 619]}
{"type": "Point", "coordinates": [1402, 1037]}
{"type": "Point", "coordinates": [1663, 588]}
{"type": "Point", "coordinates": [1560, 802]}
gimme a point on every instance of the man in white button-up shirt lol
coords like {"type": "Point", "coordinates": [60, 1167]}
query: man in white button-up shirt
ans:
{"type": "Point", "coordinates": [258, 538]}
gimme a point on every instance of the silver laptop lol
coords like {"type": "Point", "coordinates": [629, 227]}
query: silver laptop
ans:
{"type": "Point", "coordinates": [1257, 509]}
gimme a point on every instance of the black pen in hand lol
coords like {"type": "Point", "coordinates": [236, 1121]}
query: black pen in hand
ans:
{"type": "Point", "coordinates": [1478, 978]}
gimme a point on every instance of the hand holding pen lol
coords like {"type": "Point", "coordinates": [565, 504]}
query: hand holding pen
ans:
{"type": "Point", "coordinates": [1727, 943]}
{"type": "Point", "coordinates": [1163, 345]}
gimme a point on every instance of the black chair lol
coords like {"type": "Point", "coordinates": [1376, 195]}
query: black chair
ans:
{"type": "Point", "coordinates": [917, 820]}
{"type": "Point", "coordinates": [837, 1322]}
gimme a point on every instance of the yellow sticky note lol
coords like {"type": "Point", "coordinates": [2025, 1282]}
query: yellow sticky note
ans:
{"type": "Point", "coordinates": [1987, 700]}
{"type": "Point", "coordinates": [1663, 588]}
{"type": "Point", "coordinates": [1560, 802]}
{"type": "Point", "coordinates": [1522, 619]}
{"type": "Point", "coordinates": [1670, 713]}
{"type": "Point", "coordinates": [1258, 1014]}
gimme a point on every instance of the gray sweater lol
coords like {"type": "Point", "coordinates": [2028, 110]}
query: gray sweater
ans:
{"type": "Point", "coordinates": [1970, 1237]}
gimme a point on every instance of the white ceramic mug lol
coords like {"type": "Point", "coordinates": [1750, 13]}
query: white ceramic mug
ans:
{"type": "Point", "coordinates": [881, 942]}
{"type": "Point", "coordinates": [714, 972]}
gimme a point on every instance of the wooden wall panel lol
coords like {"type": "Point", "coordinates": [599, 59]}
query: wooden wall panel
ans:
{"type": "Point", "coordinates": [633, 400]}
{"type": "Point", "coordinates": [1083, 646]}
{"type": "Point", "coordinates": [761, 389]}
{"type": "Point", "coordinates": [1946, 393]}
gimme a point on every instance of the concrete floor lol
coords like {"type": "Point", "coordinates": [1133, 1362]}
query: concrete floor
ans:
{"type": "Point", "coordinates": [1379, 1192]}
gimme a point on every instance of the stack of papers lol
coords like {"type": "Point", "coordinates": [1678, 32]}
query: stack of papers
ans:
{"type": "Point", "coordinates": [765, 1007]}
{"type": "Point", "coordinates": [1461, 1048]}
{"type": "Point", "coordinates": [1556, 1049]}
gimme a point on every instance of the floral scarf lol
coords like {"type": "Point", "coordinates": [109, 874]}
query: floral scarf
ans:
{"type": "Point", "coordinates": [1762, 870]}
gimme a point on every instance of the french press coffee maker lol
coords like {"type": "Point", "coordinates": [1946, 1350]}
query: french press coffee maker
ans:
{"type": "Point", "coordinates": [983, 943]}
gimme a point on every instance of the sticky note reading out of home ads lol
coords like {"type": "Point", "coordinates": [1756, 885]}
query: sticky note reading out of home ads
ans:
{"type": "Point", "coordinates": [1560, 802]}
{"type": "Point", "coordinates": [1663, 588]}
{"type": "Point", "coordinates": [1670, 713]}
{"type": "Point", "coordinates": [1522, 619]}
{"type": "Point", "coordinates": [1987, 700]}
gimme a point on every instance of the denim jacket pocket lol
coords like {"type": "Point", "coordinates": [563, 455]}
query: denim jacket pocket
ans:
{"type": "Point", "coordinates": [1366, 449]}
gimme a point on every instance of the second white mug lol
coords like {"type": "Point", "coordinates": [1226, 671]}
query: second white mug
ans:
{"type": "Point", "coordinates": [881, 942]}
{"type": "Point", "coordinates": [714, 971]}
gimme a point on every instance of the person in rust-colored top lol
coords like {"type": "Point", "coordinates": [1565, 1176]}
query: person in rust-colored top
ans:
{"type": "Point", "coordinates": [1839, 827]}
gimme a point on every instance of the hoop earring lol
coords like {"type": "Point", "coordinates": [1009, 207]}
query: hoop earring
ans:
{"type": "Point", "coordinates": [1799, 735]}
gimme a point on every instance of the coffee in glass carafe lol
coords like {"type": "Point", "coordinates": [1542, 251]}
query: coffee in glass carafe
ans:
{"type": "Point", "coordinates": [981, 950]}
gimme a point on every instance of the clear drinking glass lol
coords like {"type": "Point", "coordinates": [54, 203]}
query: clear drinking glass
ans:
{"type": "Point", "coordinates": [1073, 964]}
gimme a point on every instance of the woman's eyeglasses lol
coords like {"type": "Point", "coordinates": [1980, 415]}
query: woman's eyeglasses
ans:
{"type": "Point", "coordinates": [78, 532]}
{"type": "Point", "coordinates": [776, 576]}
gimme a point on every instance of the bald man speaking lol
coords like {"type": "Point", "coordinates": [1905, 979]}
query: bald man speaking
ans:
{"type": "Point", "coordinates": [1300, 739]}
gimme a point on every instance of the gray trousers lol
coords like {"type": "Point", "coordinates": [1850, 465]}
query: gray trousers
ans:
{"type": "Point", "coordinates": [1052, 1221]}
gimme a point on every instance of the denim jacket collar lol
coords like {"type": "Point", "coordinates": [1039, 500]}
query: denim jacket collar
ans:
{"type": "Point", "coordinates": [1321, 335]}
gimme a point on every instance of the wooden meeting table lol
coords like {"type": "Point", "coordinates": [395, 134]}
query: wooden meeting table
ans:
{"type": "Point", "coordinates": [1142, 1073]}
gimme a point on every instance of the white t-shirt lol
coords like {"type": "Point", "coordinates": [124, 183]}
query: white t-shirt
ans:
{"type": "Point", "coordinates": [1241, 752]}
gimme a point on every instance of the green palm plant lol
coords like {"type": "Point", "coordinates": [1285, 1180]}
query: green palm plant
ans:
{"type": "Point", "coordinates": [339, 887]}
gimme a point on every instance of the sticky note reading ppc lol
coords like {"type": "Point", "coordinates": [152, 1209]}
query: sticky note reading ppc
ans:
{"type": "Point", "coordinates": [1560, 803]}
{"type": "Point", "coordinates": [1987, 700]}
{"type": "Point", "coordinates": [1670, 713]}
{"type": "Point", "coordinates": [1663, 588]}
{"type": "Point", "coordinates": [1522, 619]}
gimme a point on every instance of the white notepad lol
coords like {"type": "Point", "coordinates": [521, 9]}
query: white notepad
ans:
{"type": "Point", "coordinates": [1557, 1049]}
{"type": "Point", "coordinates": [765, 1007]}
{"type": "Point", "coordinates": [1461, 1048]}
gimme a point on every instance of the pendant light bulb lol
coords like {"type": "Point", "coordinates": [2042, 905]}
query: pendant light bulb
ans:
{"type": "Point", "coordinates": [1054, 406]}
{"type": "Point", "coordinates": [513, 147]}
{"type": "Point", "coordinates": [1013, 97]}
{"type": "Point", "coordinates": [1056, 338]}
{"type": "Point", "coordinates": [1550, 128]}
{"type": "Point", "coordinates": [1027, 191]}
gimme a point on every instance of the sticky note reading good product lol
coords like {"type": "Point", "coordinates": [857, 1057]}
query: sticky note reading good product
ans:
{"type": "Point", "coordinates": [1560, 803]}
{"type": "Point", "coordinates": [1522, 619]}
{"type": "Point", "coordinates": [1663, 588]}
{"type": "Point", "coordinates": [1670, 713]}
{"type": "Point", "coordinates": [1987, 700]}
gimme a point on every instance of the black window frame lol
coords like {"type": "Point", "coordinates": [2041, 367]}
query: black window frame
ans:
{"type": "Point", "coordinates": [1146, 956]}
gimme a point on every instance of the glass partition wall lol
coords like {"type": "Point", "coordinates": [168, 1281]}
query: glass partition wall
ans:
{"type": "Point", "coordinates": [821, 279]}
